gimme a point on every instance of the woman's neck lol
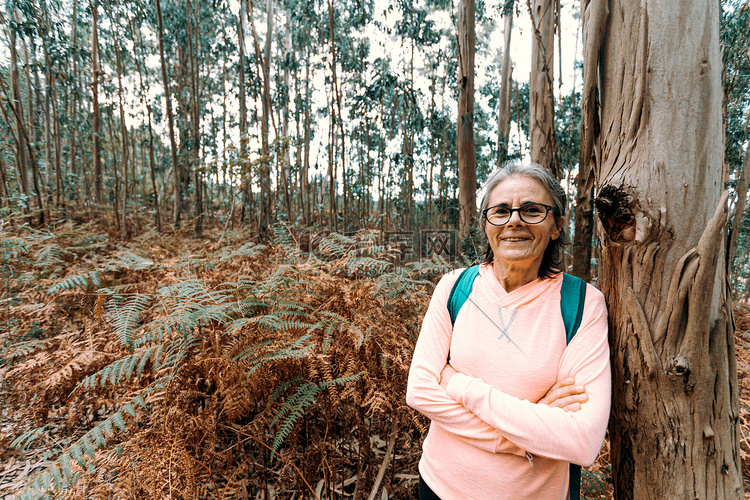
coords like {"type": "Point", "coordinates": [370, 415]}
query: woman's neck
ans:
{"type": "Point", "coordinates": [512, 278]}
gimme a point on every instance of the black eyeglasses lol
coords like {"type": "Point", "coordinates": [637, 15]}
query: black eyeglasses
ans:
{"type": "Point", "coordinates": [530, 213]}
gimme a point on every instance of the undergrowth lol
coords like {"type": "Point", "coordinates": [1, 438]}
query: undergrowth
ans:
{"type": "Point", "coordinates": [171, 368]}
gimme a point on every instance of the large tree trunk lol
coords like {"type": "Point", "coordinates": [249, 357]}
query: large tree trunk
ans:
{"type": "Point", "coordinates": [542, 144]}
{"type": "Point", "coordinates": [504, 111]}
{"type": "Point", "coordinates": [467, 171]}
{"type": "Point", "coordinates": [658, 165]}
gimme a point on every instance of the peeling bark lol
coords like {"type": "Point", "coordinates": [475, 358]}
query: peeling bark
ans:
{"type": "Point", "coordinates": [652, 134]}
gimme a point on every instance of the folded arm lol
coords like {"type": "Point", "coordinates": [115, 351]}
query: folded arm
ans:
{"type": "Point", "coordinates": [572, 436]}
{"type": "Point", "coordinates": [424, 393]}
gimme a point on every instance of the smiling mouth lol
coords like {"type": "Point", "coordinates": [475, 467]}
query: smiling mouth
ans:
{"type": "Point", "coordinates": [515, 239]}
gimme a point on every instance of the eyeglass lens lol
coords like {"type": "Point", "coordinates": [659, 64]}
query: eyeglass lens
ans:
{"type": "Point", "coordinates": [532, 213]}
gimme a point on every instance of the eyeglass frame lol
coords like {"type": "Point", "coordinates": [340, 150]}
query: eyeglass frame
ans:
{"type": "Point", "coordinates": [518, 209]}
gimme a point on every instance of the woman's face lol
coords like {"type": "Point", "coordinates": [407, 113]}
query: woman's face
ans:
{"type": "Point", "coordinates": [518, 245]}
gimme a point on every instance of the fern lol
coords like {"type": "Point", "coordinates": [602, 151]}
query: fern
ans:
{"type": "Point", "coordinates": [249, 250]}
{"type": "Point", "coordinates": [21, 349]}
{"type": "Point", "coordinates": [23, 441]}
{"type": "Point", "coordinates": [126, 316]}
{"type": "Point", "coordinates": [85, 280]}
{"type": "Point", "coordinates": [259, 354]}
{"type": "Point", "coordinates": [131, 261]}
{"type": "Point", "coordinates": [594, 483]}
{"type": "Point", "coordinates": [124, 368]}
{"type": "Point", "coordinates": [294, 407]}
{"type": "Point", "coordinates": [59, 475]}
{"type": "Point", "coordinates": [49, 255]}
{"type": "Point", "coordinates": [292, 411]}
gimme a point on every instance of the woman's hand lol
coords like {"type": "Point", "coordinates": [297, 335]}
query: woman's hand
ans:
{"type": "Point", "coordinates": [445, 375]}
{"type": "Point", "coordinates": [564, 394]}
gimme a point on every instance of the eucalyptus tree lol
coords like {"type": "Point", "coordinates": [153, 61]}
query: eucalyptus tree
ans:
{"type": "Point", "coordinates": [95, 74]}
{"type": "Point", "coordinates": [652, 111]}
{"type": "Point", "coordinates": [542, 144]}
{"type": "Point", "coordinates": [506, 75]}
{"type": "Point", "coordinates": [176, 206]}
{"type": "Point", "coordinates": [467, 175]}
{"type": "Point", "coordinates": [735, 38]}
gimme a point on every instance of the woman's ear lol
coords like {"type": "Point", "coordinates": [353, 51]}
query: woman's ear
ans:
{"type": "Point", "coordinates": [559, 224]}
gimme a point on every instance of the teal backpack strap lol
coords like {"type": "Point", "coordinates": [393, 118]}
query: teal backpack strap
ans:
{"type": "Point", "coordinates": [461, 290]}
{"type": "Point", "coordinates": [572, 298]}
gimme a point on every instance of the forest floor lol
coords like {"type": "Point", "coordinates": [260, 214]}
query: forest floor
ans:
{"type": "Point", "coordinates": [173, 367]}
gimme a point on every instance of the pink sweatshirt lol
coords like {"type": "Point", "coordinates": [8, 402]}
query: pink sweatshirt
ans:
{"type": "Point", "coordinates": [488, 438]}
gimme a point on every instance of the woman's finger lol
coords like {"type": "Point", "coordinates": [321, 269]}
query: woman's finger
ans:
{"type": "Point", "coordinates": [564, 392]}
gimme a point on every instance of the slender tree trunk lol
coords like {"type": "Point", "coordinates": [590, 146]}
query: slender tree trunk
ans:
{"type": "Point", "coordinates": [246, 176]}
{"type": "Point", "coordinates": [658, 164]}
{"type": "Point", "coordinates": [32, 139]}
{"type": "Point", "coordinates": [168, 103]}
{"type": "Point", "coordinates": [52, 123]}
{"type": "Point", "coordinates": [504, 111]}
{"type": "Point", "coordinates": [73, 114]}
{"type": "Point", "coordinates": [124, 133]}
{"type": "Point", "coordinates": [115, 170]}
{"type": "Point", "coordinates": [467, 172]}
{"type": "Point", "coordinates": [337, 95]}
{"type": "Point", "coordinates": [264, 62]}
{"type": "Point", "coordinates": [739, 206]}
{"type": "Point", "coordinates": [332, 219]}
{"type": "Point", "coordinates": [306, 153]}
{"type": "Point", "coordinates": [151, 159]}
{"type": "Point", "coordinates": [4, 195]}
{"type": "Point", "coordinates": [21, 158]}
{"type": "Point", "coordinates": [542, 143]}
{"type": "Point", "coordinates": [195, 120]}
{"type": "Point", "coordinates": [95, 101]}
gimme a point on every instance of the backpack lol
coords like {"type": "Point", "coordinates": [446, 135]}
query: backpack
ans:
{"type": "Point", "coordinates": [572, 298]}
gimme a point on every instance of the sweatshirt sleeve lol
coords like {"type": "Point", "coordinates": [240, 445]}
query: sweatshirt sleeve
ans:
{"type": "Point", "coordinates": [424, 393]}
{"type": "Point", "coordinates": [574, 437]}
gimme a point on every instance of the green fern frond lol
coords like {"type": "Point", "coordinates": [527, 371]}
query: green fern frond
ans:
{"type": "Point", "coordinates": [23, 441]}
{"type": "Point", "coordinates": [21, 349]}
{"type": "Point", "coordinates": [123, 368]}
{"type": "Point", "coordinates": [126, 316]}
{"type": "Point", "coordinates": [294, 407]}
{"type": "Point", "coordinates": [265, 352]}
{"type": "Point", "coordinates": [131, 261]}
{"type": "Point", "coordinates": [396, 285]}
{"type": "Point", "coordinates": [49, 256]}
{"type": "Point", "coordinates": [281, 237]}
{"type": "Point", "coordinates": [250, 306]}
{"type": "Point", "coordinates": [282, 388]}
{"type": "Point", "coordinates": [292, 411]}
{"type": "Point", "coordinates": [85, 280]}
{"type": "Point", "coordinates": [341, 380]}
{"type": "Point", "coordinates": [248, 251]}
{"type": "Point", "coordinates": [594, 483]}
{"type": "Point", "coordinates": [59, 476]}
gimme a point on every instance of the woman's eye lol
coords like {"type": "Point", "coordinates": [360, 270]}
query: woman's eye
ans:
{"type": "Point", "coordinates": [532, 210]}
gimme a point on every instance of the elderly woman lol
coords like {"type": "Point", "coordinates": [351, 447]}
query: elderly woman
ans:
{"type": "Point", "coordinates": [512, 404]}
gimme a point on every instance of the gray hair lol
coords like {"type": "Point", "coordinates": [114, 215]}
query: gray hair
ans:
{"type": "Point", "coordinates": [553, 255]}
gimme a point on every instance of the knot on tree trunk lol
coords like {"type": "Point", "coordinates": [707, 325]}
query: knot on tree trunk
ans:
{"type": "Point", "coordinates": [614, 207]}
